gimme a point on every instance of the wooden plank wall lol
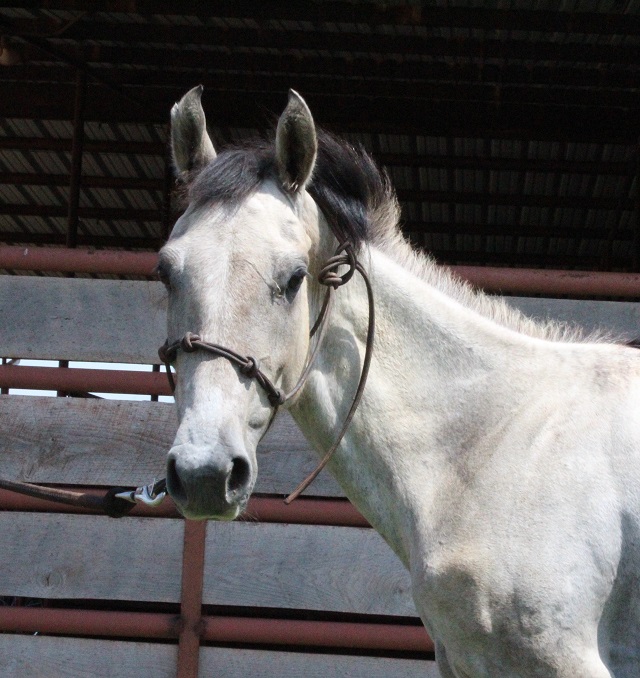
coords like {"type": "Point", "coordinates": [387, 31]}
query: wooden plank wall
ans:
{"type": "Point", "coordinates": [275, 570]}
{"type": "Point", "coordinates": [256, 568]}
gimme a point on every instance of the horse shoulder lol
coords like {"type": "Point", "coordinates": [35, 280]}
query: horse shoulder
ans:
{"type": "Point", "coordinates": [540, 517]}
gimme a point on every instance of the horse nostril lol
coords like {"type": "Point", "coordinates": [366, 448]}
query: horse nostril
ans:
{"type": "Point", "coordinates": [239, 476]}
{"type": "Point", "coordinates": [174, 484]}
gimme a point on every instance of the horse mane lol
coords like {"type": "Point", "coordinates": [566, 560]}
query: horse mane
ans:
{"type": "Point", "coordinates": [360, 205]}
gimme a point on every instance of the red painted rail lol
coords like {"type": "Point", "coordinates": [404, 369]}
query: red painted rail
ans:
{"type": "Point", "coordinates": [217, 629]}
{"type": "Point", "coordinates": [506, 280]}
{"type": "Point", "coordinates": [64, 260]}
{"type": "Point", "coordinates": [303, 511]}
{"type": "Point", "coordinates": [84, 380]}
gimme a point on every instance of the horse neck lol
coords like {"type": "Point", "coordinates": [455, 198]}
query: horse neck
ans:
{"type": "Point", "coordinates": [437, 368]}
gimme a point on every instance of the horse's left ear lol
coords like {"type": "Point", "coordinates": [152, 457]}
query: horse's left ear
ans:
{"type": "Point", "coordinates": [296, 144]}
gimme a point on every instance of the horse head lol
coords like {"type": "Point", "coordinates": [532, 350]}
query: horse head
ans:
{"type": "Point", "coordinates": [236, 268]}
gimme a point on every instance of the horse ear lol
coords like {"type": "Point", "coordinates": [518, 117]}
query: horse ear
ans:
{"type": "Point", "coordinates": [296, 144]}
{"type": "Point", "coordinates": [190, 144]}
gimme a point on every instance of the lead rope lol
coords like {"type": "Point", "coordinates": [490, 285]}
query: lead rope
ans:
{"type": "Point", "coordinates": [357, 397]}
{"type": "Point", "coordinates": [116, 503]}
{"type": "Point", "coordinates": [344, 256]}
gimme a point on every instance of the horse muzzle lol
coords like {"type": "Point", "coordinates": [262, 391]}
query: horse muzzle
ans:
{"type": "Point", "coordinates": [209, 483]}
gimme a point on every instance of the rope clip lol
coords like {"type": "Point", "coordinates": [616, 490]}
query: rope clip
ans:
{"type": "Point", "coordinates": [151, 495]}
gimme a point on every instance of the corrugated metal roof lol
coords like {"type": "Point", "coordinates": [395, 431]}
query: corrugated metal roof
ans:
{"type": "Point", "coordinates": [513, 142]}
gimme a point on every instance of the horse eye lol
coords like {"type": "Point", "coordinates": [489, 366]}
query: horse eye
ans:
{"type": "Point", "coordinates": [295, 281]}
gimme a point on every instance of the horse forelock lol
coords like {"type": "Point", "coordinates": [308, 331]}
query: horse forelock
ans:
{"type": "Point", "coordinates": [232, 176]}
{"type": "Point", "coordinates": [354, 194]}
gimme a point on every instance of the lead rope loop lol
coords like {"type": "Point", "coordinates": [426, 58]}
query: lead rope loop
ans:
{"type": "Point", "coordinates": [359, 391]}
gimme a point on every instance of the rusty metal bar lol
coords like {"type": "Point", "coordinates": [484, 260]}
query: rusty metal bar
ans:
{"type": "Point", "coordinates": [352, 635]}
{"type": "Point", "coordinates": [191, 623]}
{"type": "Point", "coordinates": [84, 380]}
{"type": "Point", "coordinates": [307, 511]}
{"type": "Point", "coordinates": [542, 281]}
{"type": "Point", "coordinates": [218, 629]}
{"type": "Point", "coordinates": [303, 511]}
{"type": "Point", "coordinates": [78, 261]}
{"type": "Point", "coordinates": [88, 622]}
{"type": "Point", "coordinates": [13, 501]}
{"type": "Point", "coordinates": [492, 279]}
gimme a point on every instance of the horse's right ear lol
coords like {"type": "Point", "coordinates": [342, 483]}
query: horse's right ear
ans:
{"type": "Point", "coordinates": [190, 144]}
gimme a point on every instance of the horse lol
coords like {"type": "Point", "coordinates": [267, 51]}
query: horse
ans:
{"type": "Point", "coordinates": [498, 457]}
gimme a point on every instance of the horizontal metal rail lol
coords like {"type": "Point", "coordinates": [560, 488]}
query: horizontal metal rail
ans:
{"type": "Point", "coordinates": [491, 279]}
{"type": "Point", "coordinates": [80, 380]}
{"type": "Point", "coordinates": [217, 629]}
{"type": "Point", "coordinates": [64, 260]}
{"type": "Point", "coordinates": [303, 511]}
{"type": "Point", "coordinates": [552, 282]}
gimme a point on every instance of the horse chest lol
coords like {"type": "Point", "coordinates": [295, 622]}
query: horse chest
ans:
{"type": "Point", "coordinates": [456, 590]}
{"type": "Point", "coordinates": [462, 604]}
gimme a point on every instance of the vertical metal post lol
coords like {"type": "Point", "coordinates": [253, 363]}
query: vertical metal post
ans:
{"type": "Point", "coordinates": [75, 180]}
{"type": "Point", "coordinates": [636, 232]}
{"type": "Point", "coordinates": [76, 158]}
{"type": "Point", "coordinates": [4, 391]}
{"type": "Point", "coordinates": [191, 622]}
{"type": "Point", "coordinates": [155, 368]}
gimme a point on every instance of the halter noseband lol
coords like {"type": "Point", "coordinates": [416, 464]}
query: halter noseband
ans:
{"type": "Point", "coordinates": [248, 366]}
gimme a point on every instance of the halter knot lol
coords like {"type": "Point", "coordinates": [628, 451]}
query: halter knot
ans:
{"type": "Point", "coordinates": [351, 261]}
{"type": "Point", "coordinates": [251, 369]}
{"type": "Point", "coordinates": [186, 344]}
{"type": "Point", "coordinates": [276, 398]}
{"type": "Point", "coordinates": [344, 256]}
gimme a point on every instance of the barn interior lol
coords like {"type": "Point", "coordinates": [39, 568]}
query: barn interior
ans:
{"type": "Point", "coordinates": [510, 131]}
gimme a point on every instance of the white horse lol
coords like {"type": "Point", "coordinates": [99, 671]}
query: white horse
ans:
{"type": "Point", "coordinates": [498, 458]}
